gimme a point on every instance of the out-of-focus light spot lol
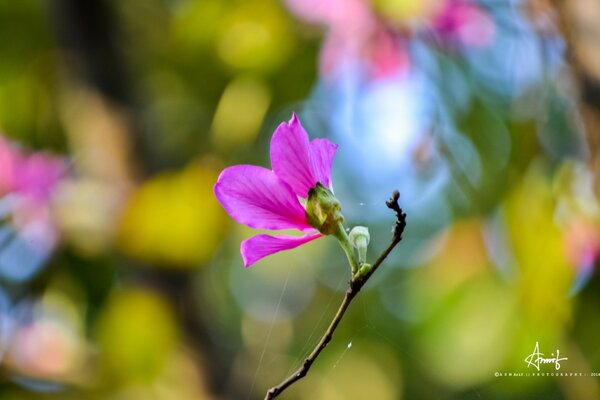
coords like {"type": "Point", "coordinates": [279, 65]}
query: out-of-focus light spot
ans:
{"type": "Point", "coordinates": [23, 252]}
{"type": "Point", "coordinates": [98, 132]}
{"type": "Point", "coordinates": [255, 36]}
{"type": "Point", "coordinates": [545, 274]}
{"type": "Point", "coordinates": [240, 38]}
{"type": "Point", "coordinates": [386, 116]}
{"type": "Point", "coordinates": [584, 15]}
{"type": "Point", "coordinates": [37, 175]}
{"type": "Point", "coordinates": [582, 243]}
{"type": "Point", "coordinates": [87, 211]}
{"type": "Point", "coordinates": [478, 28]}
{"type": "Point", "coordinates": [174, 219]}
{"type": "Point", "coordinates": [240, 113]}
{"type": "Point", "coordinates": [464, 24]}
{"type": "Point", "coordinates": [348, 18]}
{"type": "Point", "coordinates": [392, 117]}
{"type": "Point", "coordinates": [407, 11]}
{"type": "Point", "coordinates": [46, 341]}
{"type": "Point", "coordinates": [136, 334]}
{"type": "Point", "coordinates": [44, 348]}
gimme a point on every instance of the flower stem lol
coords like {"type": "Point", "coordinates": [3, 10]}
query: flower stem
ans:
{"type": "Point", "coordinates": [344, 240]}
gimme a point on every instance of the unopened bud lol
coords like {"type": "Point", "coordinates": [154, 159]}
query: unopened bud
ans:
{"type": "Point", "coordinates": [359, 238]}
{"type": "Point", "coordinates": [323, 210]}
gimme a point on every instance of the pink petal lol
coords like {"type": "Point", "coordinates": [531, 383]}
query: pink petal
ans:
{"type": "Point", "coordinates": [256, 197]}
{"type": "Point", "coordinates": [323, 151]}
{"type": "Point", "coordinates": [290, 156]}
{"type": "Point", "coordinates": [298, 162]}
{"type": "Point", "coordinates": [260, 246]}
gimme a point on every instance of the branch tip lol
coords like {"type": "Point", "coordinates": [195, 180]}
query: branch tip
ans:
{"type": "Point", "coordinates": [392, 204]}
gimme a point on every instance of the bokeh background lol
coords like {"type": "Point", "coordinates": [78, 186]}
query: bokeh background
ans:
{"type": "Point", "coordinates": [120, 274]}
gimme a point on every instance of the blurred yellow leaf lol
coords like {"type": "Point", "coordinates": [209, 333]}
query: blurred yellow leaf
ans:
{"type": "Point", "coordinates": [240, 112]}
{"type": "Point", "coordinates": [174, 219]}
{"type": "Point", "coordinates": [137, 334]}
{"type": "Point", "coordinates": [405, 11]}
{"type": "Point", "coordinates": [537, 242]}
{"type": "Point", "coordinates": [255, 35]}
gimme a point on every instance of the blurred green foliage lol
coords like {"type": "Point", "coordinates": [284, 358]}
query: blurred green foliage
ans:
{"type": "Point", "coordinates": [145, 295]}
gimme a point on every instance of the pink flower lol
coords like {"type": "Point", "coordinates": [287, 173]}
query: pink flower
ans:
{"type": "Point", "coordinates": [355, 34]}
{"type": "Point", "coordinates": [269, 199]}
{"type": "Point", "coordinates": [38, 175]}
{"type": "Point", "coordinates": [32, 176]}
{"type": "Point", "coordinates": [28, 182]}
{"type": "Point", "coordinates": [465, 23]}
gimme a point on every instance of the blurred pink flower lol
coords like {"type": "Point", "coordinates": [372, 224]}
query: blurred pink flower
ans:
{"type": "Point", "coordinates": [32, 176]}
{"type": "Point", "coordinates": [465, 24]}
{"type": "Point", "coordinates": [357, 33]}
{"type": "Point", "coordinates": [269, 199]}
{"type": "Point", "coordinates": [27, 184]}
{"type": "Point", "coordinates": [342, 17]}
{"type": "Point", "coordinates": [354, 34]}
{"type": "Point", "coordinates": [582, 244]}
{"type": "Point", "coordinates": [37, 175]}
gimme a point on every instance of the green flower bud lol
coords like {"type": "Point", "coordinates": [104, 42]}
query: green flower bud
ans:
{"type": "Point", "coordinates": [323, 210]}
{"type": "Point", "coordinates": [359, 238]}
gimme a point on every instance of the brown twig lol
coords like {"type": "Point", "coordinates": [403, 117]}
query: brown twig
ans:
{"type": "Point", "coordinates": [354, 288]}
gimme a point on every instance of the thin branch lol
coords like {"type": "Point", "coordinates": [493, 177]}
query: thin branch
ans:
{"type": "Point", "coordinates": [354, 288]}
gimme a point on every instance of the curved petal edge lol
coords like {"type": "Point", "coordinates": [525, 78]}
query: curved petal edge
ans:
{"type": "Point", "coordinates": [260, 246]}
{"type": "Point", "coordinates": [256, 197]}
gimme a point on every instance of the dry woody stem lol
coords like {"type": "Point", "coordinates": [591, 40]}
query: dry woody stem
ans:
{"type": "Point", "coordinates": [353, 289]}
